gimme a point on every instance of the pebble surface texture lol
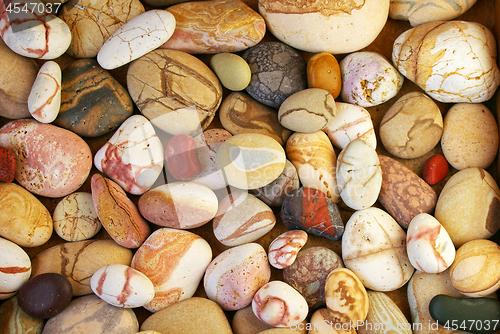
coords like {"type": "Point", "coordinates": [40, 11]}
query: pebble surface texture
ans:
{"type": "Point", "coordinates": [418, 12]}
{"type": "Point", "coordinates": [44, 100]}
{"type": "Point", "coordinates": [278, 71]}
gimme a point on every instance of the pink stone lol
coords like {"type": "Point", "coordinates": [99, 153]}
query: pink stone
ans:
{"type": "Point", "coordinates": [283, 250]}
{"type": "Point", "coordinates": [182, 158]}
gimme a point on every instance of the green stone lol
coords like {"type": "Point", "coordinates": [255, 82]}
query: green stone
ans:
{"type": "Point", "coordinates": [232, 70]}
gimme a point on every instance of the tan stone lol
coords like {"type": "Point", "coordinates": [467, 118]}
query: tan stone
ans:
{"type": "Point", "coordinates": [14, 320]}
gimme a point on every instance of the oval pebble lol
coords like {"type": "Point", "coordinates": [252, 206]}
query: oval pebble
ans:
{"type": "Point", "coordinates": [75, 218]}
{"type": "Point", "coordinates": [181, 205]}
{"type": "Point", "coordinates": [283, 250]}
{"type": "Point", "coordinates": [236, 274]}
{"type": "Point", "coordinates": [323, 71]}
{"type": "Point", "coordinates": [122, 286]}
{"type": "Point", "coordinates": [419, 12]}
{"type": "Point", "coordinates": [182, 158]}
{"type": "Point", "coordinates": [278, 304]}
{"type": "Point", "coordinates": [137, 37]}
{"type": "Point", "coordinates": [15, 268]}
{"type": "Point", "coordinates": [232, 70]}
{"type": "Point", "coordinates": [242, 218]}
{"type": "Point", "coordinates": [310, 210]}
{"type": "Point", "coordinates": [46, 295]}
{"type": "Point", "coordinates": [44, 100]}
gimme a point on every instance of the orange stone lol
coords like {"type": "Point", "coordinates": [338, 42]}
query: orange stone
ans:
{"type": "Point", "coordinates": [323, 71]}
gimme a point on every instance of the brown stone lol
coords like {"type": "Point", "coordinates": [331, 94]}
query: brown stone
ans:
{"type": "Point", "coordinates": [14, 320]}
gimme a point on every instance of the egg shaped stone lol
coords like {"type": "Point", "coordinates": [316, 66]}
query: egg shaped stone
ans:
{"type": "Point", "coordinates": [429, 246]}
{"type": "Point", "coordinates": [452, 61]}
{"type": "Point", "coordinates": [236, 274]}
{"type": "Point", "coordinates": [44, 100]}
{"type": "Point", "coordinates": [122, 286]}
{"type": "Point", "coordinates": [374, 248]}
{"type": "Point", "coordinates": [283, 249]}
{"type": "Point", "coordinates": [15, 268]}
{"type": "Point", "coordinates": [250, 160]}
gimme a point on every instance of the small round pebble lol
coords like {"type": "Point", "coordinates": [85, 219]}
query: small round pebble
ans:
{"type": "Point", "coordinates": [46, 295]}
{"type": "Point", "coordinates": [323, 71]}
{"type": "Point", "coordinates": [232, 70]}
{"type": "Point", "coordinates": [75, 218]}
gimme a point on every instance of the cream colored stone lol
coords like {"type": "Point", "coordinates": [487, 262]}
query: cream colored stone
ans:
{"type": "Point", "coordinates": [44, 100]}
{"type": "Point", "coordinates": [423, 11]}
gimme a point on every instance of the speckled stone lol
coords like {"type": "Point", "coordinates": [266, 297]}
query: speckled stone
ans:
{"type": "Point", "coordinates": [310, 210]}
{"type": "Point", "coordinates": [93, 103]}
{"type": "Point", "coordinates": [278, 71]}
{"type": "Point", "coordinates": [309, 271]}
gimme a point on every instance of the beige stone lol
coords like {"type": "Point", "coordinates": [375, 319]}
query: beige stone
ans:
{"type": "Point", "coordinates": [423, 11]}
{"type": "Point", "coordinates": [245, 322]}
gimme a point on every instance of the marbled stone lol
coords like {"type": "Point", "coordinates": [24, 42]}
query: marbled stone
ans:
{"type": "Point", "coordinates": [93, 103]}
{"type": "Point", "coordinates": [176, 91]}
{"type": "Point", "coordinates": [310, 210]}
{"type": "Point", "coordinates": [175, 261]}
{"type": "Point", "coordinates": [278, 71]}
{"type": "Point", "coordinates": [133, 156]}
{"type": "Point", "coordinates": [232, 70]}
{"type": "Point", "coordinates": [418, 12]}
{"type": "Point", "coordinates": [137, 37]}
{"type": "Point", "coordinates": [92, 22]}
{"type": "Point", "coordinates": [51, 161]}
{"type": "Point", "coordinates": [44, 100]}
{"type": "Point", "coordinates": [215, 26]}
{"type": "Point", "coordinates": [35, 32]}
{"type": "Point", "coordinates": [91, 313]}
{"type": "Point", "coordinates": [331, 26]}
{"type": "Point", "coordinates": [308, 273]}
{"type": "Point", "coordinates": [13, 320]}
{"type": "Point", "coordinates": [283, 249]}
{"type": "Point", "coordinates": [240, 113]}
{"type": "Point", "coordinates": [242, 218]}
{"type": "Point", "coordinates": [452, 61]}
{"type": "Point", "coordinates": [119, 216]}
{"type": "Point", "coordinates": [17, 75]}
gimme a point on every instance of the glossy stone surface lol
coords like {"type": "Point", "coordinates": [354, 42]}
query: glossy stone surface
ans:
{"type": "Point", "coordinates": [92, 22]}
{"type": "Point", "coordinates": [240, 113]}
{"type": "Point", "coordinates": [93, 103]}
{"type": "Point", "coordinates": [133, 156]}
{"type": "Point", "coordinates": [310, 210]}
{"type": "Point", "coordinates": [308, 273]}
{"type": "Point", "coordinates": [137, 37]}
{"type": "Point", "coordinates": [7, 165]}
{"type": "Point", "coordinates": [35, 32]}
{"type": "Point", "coordinates": [182, 158]}
{"type": "Point", "coordinates": [215, 27]}
{"type": "Point", "coordinates": [232, 70]}
{"type": "Point", "coordinates": [46, 295]}
{"type": "Point", "coordinates": [467, 49]}
{"type": "Point", "coordinates": [435, 169]}
{"type": "Point", "coordinates": [51, 161]}
{"type": "Point", "coordinates": [323, 72]}
{"type": "Point", "coordinates": [176, 91]}
{"type": "Point", "coordinates": [44, 100]}
{"type": "Point", "coordinates": [278, 71]}
{"type": "Point", "coordinates": [15, 268]}
{"type": "Point", "coordinates": [283, 249]}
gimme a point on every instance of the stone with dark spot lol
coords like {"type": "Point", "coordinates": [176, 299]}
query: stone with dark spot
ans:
{"type": "Point", "coordinates": [309, 271]}
{"type": "Point", "coordinates": [93, 103]}
{"type": "Point", "coordinates": [278, 71]}
{"type": "Point", "coordinates": [310, 210]}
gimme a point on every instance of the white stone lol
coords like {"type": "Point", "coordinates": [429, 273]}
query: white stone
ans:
{"type": "Point", "coordinates": [133, 157]}
{"type": "Point", "coordinates": [15, 268]}
{"type": "Point", "coordinates": [351, 122]}
{"type": "Point", "coordinates": [44, 100]}
{"type": "Point", "coordinates": [122, 286]}
{"type": "Point", "coordinates": [137, 37]}
{"type": "Point", "coordinates": [368, 79]}
{"type": "Point", "coordinates": [34, 31]}
{"type": "Point", "coordinates": [429, 246]}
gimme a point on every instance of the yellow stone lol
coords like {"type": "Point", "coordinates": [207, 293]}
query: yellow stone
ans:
{"type": "Point", "coordinates": [232, 70]}
{"type": "Point", "coordinates": [323, 71]}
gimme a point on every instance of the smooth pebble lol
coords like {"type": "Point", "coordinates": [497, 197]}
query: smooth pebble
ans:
{"type": "Point", "coordinates": [44, 100]}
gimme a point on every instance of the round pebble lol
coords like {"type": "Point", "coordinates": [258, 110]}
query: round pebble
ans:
{"type": "Point", "coordinates": [277, 70]}
{"type": "Point", "coordinates": [232, 70]}
{"type": "Point", "coordinates": [75, 218]}
{"type": "Point", "coordinates": [46, 295]}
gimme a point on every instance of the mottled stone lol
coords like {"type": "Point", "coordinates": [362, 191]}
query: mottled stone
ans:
{"type": "Point", "coordinates": [92, 22]}
{"type": "Point", "coordinates": [44, 100]}
{"type": "Point", "coordinates": [176, 91]}
{"type": "Point", "coordinates": [232, 70]}
{"type": "Point", "coordinates": [403, 193]}
{"type": "Point", "coordinates": [309, 271]}
{"type": "Point", "coordinates": [467, 50]}
{"type": "Point", "coordinates": [17, 75]}
{"type": "Point", "coordinates": [189, 316]}
{"type": "Point", "coordinates": [240, 113]}
{"type": "Point", "coordinates": [310, 210]}
{"type": "Point", "coordinates": [175, 261]}
{"type": "Point", "coordinates": [418, 12]}
{"type": "Point", "coordinates": [137, 37]}
{"type": "Point", "coordinates": [35, 32]}
{"type": "Point", "coordinates": [8, 163]}
{"type": "Point", "coordinates": [93, 103]}
{"type": "Point", "coordinates": [215, 26]}
{"type": "Point", "coordinates": [13, 320]}
{"type": "Point", "coordinates": [51, 161]}
{"type": "Point", "coordinates": [89, 313]}
{"type": "Point", "coordinates": [278, 71]}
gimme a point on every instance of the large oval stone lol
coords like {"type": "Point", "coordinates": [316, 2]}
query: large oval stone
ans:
{"type": "Point", "coordinates": [176, 91]}
{"type": "Point", "coordinates": [93, 103]}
